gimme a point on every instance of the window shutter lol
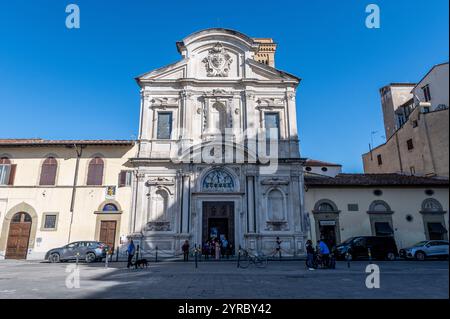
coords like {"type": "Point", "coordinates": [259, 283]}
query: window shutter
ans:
{"type": "Point", "coordinates": [48, 172]}
{"type": "Point", "coordinates": [123, 179]}
{"type": "Point", "coordinates": [95, 172]}
{"type": "Point", "coordinates": [12, 174]}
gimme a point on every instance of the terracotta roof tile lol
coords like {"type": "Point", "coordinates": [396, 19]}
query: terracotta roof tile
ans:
{"type": "Point", "coordinates": [42, 142]}
{"type": "Point", "coordinates": [374, 180]}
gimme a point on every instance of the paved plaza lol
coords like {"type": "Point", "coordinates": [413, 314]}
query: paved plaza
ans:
{"type": "Point", "coordinates": [285, 279]}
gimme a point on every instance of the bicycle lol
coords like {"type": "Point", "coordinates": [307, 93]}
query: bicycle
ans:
{"type": "Point", "coordinates": [259, 260]}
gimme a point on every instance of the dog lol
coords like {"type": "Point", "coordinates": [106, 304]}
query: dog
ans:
{"type": "Point", "coordinates": [141, 263]}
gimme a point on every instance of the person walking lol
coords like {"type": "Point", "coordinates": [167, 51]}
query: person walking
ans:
{"type": "Point", "coordinates": [185, 249]}
{"type": "Point", "coordinates": [278, 247]}
{"type": "Point", "coordinates": [217, 246]}
{"type": "Point", "coordinates": [309, 255]}
{"type": "Point", "coordinates": [224, 246]}
{"type": "Point", "coordinates": [131, 249]}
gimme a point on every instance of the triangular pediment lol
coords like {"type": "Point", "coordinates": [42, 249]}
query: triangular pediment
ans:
{"type": "Point", "coordinates": [264, 72]}
{"type": "Point", "coordinates": [172, 71]}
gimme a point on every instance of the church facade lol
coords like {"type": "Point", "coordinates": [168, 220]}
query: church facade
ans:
{"type": "Point", "coordinates": [201, 169]}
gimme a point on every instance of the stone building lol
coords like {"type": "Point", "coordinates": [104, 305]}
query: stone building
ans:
{"type": "Point", "coordinates": [419, 143]}
{"type": "Point", "coordinates": [223, 87]}
{"type": "Point", "coordinates": [409, 208]}
{"type": "Point", "coordinates": [54, 192]}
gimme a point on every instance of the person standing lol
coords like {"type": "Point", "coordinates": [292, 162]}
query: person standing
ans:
{"type": "Point", "coordinates": [325, 252]}
{"type": "Point", "coordinates": [131, 249]}
{"type": "Point", "coordinates": [278, 247]}
{"type": "Point", "coordinates": [185, 249]}
{"type": "Point", "coordinates": [309, 255]}
{"type": "Point", "coordinates": [224, 246]}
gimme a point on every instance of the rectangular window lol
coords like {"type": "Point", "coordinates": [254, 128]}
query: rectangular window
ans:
{"type": "Point", "coordinates": [272, 120]}
{"type": "Point", "coordinates": [409, 144]}
{"type": "Point", "coordinates": [4, 174]}
{"type": "Point", "coordinates": [426, 93]}
{"type": "Point", "coordinates": [50, 221]}
{"type": "Point", "coordinates": [353, 207]}
{"type": "Point", "coordinates": [125, 178]}
{"type": "Point", "coordinates": [7, 173]}
{"type": "Point", "coordinates": [379, 159]}
{"type": "Point", "coordinates": [164, 129]}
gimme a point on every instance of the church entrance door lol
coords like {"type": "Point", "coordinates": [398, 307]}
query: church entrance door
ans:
{"type": "Point", "coordinates": [218, 221]}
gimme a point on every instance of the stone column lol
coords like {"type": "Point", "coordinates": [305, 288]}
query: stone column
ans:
{"type": "Point", "coordinates": [251, 204]}
{"type": "Point", "coordinates": [185, 203]}
{"type": "Point", "coordinates": [141, 201]}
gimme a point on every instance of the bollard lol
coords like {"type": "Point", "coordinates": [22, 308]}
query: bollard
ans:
{"type": "Point", "coordinates": [195, 255]}
{"type": "Point", "coordinates": [117, 255]}
{"type": "Point", "coordinates": [156, 254]}
{"type": "Point", "coordinates": [370, 255]}
{"type": "Point", "coordinates": [239, 256]}
{"type": "Point", "coordinates": [77, 256]}
{"type": "Point", "coordinates": [106, 259]}
{"type": "Point", "coordinates": [347, 256]}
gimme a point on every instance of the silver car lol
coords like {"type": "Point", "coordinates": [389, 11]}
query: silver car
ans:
{"type": "Point", "coordinates": [89, 251]}
{"type": "Point", "coordinates": [426, 249]}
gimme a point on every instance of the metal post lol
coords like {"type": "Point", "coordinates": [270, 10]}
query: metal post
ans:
{"type": "Point", "coordinates": [117, 254]}
{"type": "Point", "coordinates": [195, 255]}
{"type": "Point", "coordinates": [239, 256]}
{"type": "Point", "coordinates": [106, 259]}
{"type": "Point", "coordinates": [347, 256]}
{"type": "Point", "coordinates": [78, 256]}
{"type": "Point", "coordinates": [156, 254]}
{"type": "Point", "coordinates": [370, 255]}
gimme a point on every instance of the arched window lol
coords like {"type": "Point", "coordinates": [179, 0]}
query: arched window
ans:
{"type": "Point", "coordinates": [326, 207]}
{"type": "Point", "coordinates": [48, 171]}
{"type": "Point", "coordinates": [218, 181]}
{"type": "Point", "coordinates": [21, 218]}
{"type": "Point", "coordinates": [379, 206]}
{"type": "Point", "coordinates": [95, 172]}
{"type": "Point", "coordinates": [275, 205]}
{"type": "Point", "coordinates": [160, 202]}
{"type": "Point", "coordinates": [431, 205]}
{"type": "Point", "coordinates": [110, 208]}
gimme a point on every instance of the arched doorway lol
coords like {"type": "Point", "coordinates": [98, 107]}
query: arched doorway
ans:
{"type": "Point", "coordinates": [18, 236]}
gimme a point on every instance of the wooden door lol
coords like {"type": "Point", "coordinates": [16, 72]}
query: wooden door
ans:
{"type": "Point", "coordinates": [18, 236]}
{"type": "Point", "coordinates": [108, 232]}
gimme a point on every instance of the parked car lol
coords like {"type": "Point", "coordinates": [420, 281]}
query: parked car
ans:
{"type": "Point", "coordinates": [426, 249]}
{"type": "Point", "coordinates": [358, 247]}
{"type": "Point", "coordinates": [88, 250]}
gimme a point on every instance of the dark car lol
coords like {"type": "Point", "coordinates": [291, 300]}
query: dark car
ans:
{"type": "Point", "coordinates": [85, 250]}
{"type": "Point", "coordinates": [358, 247]}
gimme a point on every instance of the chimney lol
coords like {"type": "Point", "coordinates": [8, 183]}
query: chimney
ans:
{"type": "Point", "coordinates": [266, 51]}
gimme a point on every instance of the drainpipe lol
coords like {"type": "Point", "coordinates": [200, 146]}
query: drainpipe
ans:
{"type": "Point", "coordinates": [79, 151]}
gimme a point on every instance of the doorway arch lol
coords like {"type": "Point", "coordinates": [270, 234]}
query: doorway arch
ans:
{"type": "Point", "coordinates": [18, 231]}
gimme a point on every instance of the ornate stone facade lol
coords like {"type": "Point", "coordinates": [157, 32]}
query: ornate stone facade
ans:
{"type": "Point", "coordinates": [192, 187]}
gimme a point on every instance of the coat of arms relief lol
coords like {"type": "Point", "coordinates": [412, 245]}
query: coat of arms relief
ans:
{"type": "Point", "coordinates": [218, 61]}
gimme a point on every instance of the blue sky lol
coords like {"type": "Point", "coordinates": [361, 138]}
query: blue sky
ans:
{"type": "Point", "coordinates": [58, 83]}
